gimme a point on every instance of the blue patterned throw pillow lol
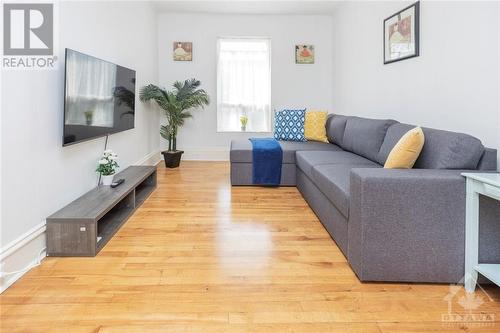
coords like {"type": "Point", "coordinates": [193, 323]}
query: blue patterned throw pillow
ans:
{"type": "Point", "coordinates": [289, 125]}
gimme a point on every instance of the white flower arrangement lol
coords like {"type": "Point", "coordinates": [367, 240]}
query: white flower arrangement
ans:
{"type": "Point", "coordinates": [107, 165]}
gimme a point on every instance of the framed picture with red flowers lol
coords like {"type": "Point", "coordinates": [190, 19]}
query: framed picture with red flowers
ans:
{"type": "Point", "coordinates": [304, 54]}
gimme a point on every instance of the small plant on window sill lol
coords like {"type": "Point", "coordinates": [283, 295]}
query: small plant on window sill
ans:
{"type": "Point", "coordinates": [243, 122]}
{"type": "Point", "coordinates": [176, 104]}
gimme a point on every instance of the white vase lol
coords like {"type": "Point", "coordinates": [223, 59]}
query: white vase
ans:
{"type": "Point", "coordinates": [107, 180]}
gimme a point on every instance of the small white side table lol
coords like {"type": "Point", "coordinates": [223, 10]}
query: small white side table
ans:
{"type": "Point", "coordinates": [486, 184]}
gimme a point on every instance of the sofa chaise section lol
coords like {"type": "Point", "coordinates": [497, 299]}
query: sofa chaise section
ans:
{"type": "Point", "coordinates": [240, 157]}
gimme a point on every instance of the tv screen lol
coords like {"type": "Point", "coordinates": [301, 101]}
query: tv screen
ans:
{"type": "Point", "coordinates": [99, 98]}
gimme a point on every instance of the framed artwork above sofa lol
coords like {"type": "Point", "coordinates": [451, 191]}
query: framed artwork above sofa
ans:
{"type": "Point", "coordinates": [401, 34]}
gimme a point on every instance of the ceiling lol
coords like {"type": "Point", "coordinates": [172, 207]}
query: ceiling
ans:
{"type": "Point", "coordinates": [305, 7]}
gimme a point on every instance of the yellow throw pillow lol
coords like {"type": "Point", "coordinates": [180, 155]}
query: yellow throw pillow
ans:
{"type": "Point", "coordinates": [406, 151]}
{"type": "Point", "coordinates": [314, 126]}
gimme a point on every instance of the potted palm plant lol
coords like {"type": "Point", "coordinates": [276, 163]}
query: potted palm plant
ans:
{"type": "Point", "coordinates": [177, 105]}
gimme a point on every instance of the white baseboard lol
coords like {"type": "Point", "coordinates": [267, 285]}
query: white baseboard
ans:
{"type": "Point", "coordinates": [24, 252]}
{"type": "Point", "coordinates": [206, 154]}
{"type": "Point", "coordinates": [152, 158]}
{"type": "Point", "coordinates": [20, 254]}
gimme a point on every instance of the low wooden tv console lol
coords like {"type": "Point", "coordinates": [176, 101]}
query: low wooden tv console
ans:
{"type": "Point", "coordinates": [83, 227]}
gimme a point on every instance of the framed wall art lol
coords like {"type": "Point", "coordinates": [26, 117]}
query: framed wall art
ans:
{"type": "Point", "coordinates": [401, 34]}
{"type": "Point", "coordinates": [304, 54]}
{"type": "Point", "coordinates": [183, 51]}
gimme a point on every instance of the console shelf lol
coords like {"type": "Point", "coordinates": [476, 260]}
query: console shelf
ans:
{"type": "Point", "coordinates": [83, 227]}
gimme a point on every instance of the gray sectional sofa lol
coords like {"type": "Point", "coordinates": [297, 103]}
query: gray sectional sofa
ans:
{"type": "Point", "coordinates": [392, 225]}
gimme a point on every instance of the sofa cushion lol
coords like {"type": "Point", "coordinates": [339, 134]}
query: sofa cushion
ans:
{"type": "Point", "coordinates": [407, 150]}
{"type": "Point", "coordinates": [335, 127]}
{"type": "Point", "coordinates": [365, 136]}
{"type": "Point", "coordinates": [241, 150]}
{"type": "Point", "coordinates": [306, 160]}
{"type": "Point", "coordinates": [442, 149]}
{"type": "Point", "coordinates": [393, 135]}
{"type": "Point", "coordinates": [333, 181]}
{"type": "Point", "coordinates": [289, 125]}
{"type": "Point", "coordinates": [314, 126]}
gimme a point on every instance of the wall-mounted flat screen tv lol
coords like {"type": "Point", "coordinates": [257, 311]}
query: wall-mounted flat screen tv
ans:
{"type": "Point", "coordinates": [99, 98]}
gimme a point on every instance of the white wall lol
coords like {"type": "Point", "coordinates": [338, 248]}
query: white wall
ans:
{"type": "Point", "coordinates": [453, 84]}
{"type": "Point", "coordinates": [292, 85]}
{"type": "Point", "coordinates": [39, 175]}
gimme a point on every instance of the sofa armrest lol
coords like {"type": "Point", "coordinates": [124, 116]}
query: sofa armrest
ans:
{"type": "Point", "coordinates": [407, 225]}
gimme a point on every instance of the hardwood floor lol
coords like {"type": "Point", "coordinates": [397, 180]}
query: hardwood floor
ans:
{"type": "Point", "coordinates": [201, 256]}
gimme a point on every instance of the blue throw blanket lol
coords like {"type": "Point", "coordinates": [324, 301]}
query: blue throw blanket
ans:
{"type": "Point", "coordinates": [267, 158]}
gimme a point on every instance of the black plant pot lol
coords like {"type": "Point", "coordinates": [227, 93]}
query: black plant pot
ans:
{"type": "Point", "coordinates": [172, 158]}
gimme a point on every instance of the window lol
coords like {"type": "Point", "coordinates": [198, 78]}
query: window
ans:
{"type": "Point", "coordinates": [244, 84]}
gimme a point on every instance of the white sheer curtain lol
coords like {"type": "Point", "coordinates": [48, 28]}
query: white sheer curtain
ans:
{"type": "Point", "coordinates": [89, 89]}
{"type": "Point", "coordinates": [243, 84]}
